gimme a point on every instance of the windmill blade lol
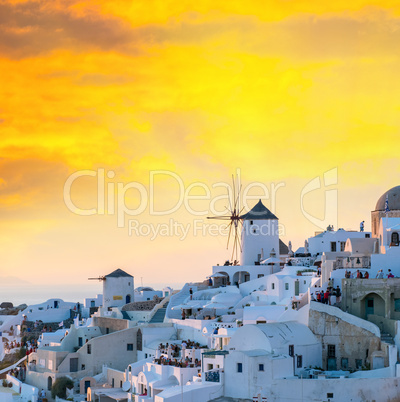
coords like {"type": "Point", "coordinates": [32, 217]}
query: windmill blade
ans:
{"type": "Point", "coordinates": [238, 198]}
{"type": "Point", "coordinates": [229, 235]}
{"type": "Point", "coordinates": [234, 195]}
{"type": "Point", "coordinates": [235, 222]}
{"type": "Point", "coordinates": [236, 243]}
{"type": "Point", "coordinates": [229, 199]}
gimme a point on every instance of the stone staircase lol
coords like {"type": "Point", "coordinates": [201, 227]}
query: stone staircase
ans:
{"type": "Point", "coordinates": [159, 316]}
{"type": "Point", "coordinates": [387, 338]}
{"type": "Point", "coordinates": [177, 299]}
{"type": "Point", "coordinates": [125, 315]}
{"type": "Point", "coordinates": [180, 297]}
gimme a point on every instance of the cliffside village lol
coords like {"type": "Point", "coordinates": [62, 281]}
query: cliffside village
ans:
{"type": "Point", "coordinates": [317, 324]}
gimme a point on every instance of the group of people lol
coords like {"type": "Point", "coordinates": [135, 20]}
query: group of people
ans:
{"type": "Point", "coordinates": [358, 275]}
{"type": "Point", "coordinates": [381, 275]}
{"type": "Point", "coordinates": [325, 296]}
{"type": "Point", "coordinates": [165, 361]}
{"type": "Point", "coordinates": [19, 373]}
{"type": "Point", "coordinates": [12, 345]}
{"type": "Point", "coordinates": [176, 354]}
{"type": "Point", "coordinates": [176, 348]}
{"type": "Point", "coordinates": [30, 346]}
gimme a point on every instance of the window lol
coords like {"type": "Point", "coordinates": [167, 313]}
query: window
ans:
{"type": "Point", "coordinates": [80, 341]}
{"type": "Point", "coordinates": [260, 367]}
{"type": "Point", "coordinates": [272, 286]}
{"type": "Point", "coordinates": [367, 235]}
{"type": "Point", "coordinates": [112, 383]}
{"type": "Point", "coordinates": [342, 245]}
{"type": "Point", "coordinates": [129, 346]}
{"type": "Point", "coordinates": [139, 340]}
{"type": "Point", "coordinates": [395, 239]}
{"type": "Point", "coordinates": [260, 275]}
{"type": "Point", "coordinates": [333, 246]}
{"type": "Point", "coordinates": [286, 286]}
{"type": "Point", "coordinates": [396, 304]}
{"type": "Point", "coordinates": [251, 222]}
{"type": "Point", "coordinates": [331, 351]}
{"type": "Point", "coordinates": [345, 363]}
{"type": "Point", "coordinates": [73, 364]}
{"type": "Point", "coordinates": [239, 368]}
{"type": "Point", "coordinates": [254, 231]}
{"type": "Point", "coordinates": [299, 361]}
{"type": "Point", "coordinates": [358, 364]}
{"type": "Point", "coordinates": [107, 330]}
{"type": "Point", "coordinates": [291, 350]}
{"type": "Point", "coordinates": [89, 349]}
{"type": "Point", "coordinates": [329, 395]}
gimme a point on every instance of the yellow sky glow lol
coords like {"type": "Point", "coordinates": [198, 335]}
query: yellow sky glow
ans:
{"type": "Point", "coordinates": [282, 90]}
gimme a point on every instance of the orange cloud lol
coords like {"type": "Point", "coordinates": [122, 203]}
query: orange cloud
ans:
{"type": "Point", "coordinates": [284, 91]}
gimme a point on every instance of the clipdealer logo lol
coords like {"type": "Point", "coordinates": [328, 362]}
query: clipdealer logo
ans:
{"type": "Point", "coordinates": [112, 200]}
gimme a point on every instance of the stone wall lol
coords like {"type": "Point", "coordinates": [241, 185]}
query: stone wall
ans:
{"type": "Point", "coordinates": [383, 292]}
{"type": "Point", "coordinates": [350, 341]}
{"type": "Point", "coordinates": [147, 305]}
{"type": "Point", "coordinates": [113, 324]}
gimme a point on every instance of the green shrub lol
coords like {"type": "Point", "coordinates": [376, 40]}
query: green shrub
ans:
{"type": "Point", "coordinates": [60, 386]}
{"type": "Point", "coordinates": [21, 353]}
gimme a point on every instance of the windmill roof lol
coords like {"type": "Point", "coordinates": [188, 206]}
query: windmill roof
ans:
{"type": "Point", "coordinates": [283, 248]}
{"type": "Point", "coordinates": [259, 211]}
{"type": "Point", "coordinates": [118, 273]}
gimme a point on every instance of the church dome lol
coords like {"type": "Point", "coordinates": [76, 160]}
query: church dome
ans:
{"type": "Point", "coordinates": [393, 200]}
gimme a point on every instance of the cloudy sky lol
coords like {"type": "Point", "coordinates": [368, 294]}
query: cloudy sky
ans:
{"type": "Point", "coordinates": [280, 91]}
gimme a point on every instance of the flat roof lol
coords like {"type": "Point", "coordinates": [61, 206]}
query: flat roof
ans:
{"type": "Point", "coordinates": [216, 353]}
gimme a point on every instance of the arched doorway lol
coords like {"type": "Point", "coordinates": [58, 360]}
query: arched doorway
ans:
{"type": "Point", "coordinates": [240, 277]}
{"type": "Point", "coordinates": [220, 278]}
{"type": "Point", "coordinates": [372, 304]}
{"type": "Point", "coordinates": [49, 383]}
{"type": "Point", "coordinates": [128, 299]}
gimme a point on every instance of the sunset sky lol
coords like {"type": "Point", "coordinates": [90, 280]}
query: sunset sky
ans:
{"type": "Point", "coordinates": [279, 91]}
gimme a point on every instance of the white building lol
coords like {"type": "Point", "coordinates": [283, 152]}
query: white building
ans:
{"type": "Point", "coordinates": [118, 289]}
{"type": "Point", "coordinates": [260, 235]}
{"type": "Point", "coordinates": [91, 302]}
{"type": "Point", "coordinates": [52, 310]}
{"type": "Point", "coordinates": [145, 293]}
{"type": "Point", "coordinates": [333, 241]}
{"type": "Point", "coordinates": [260, 354]}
